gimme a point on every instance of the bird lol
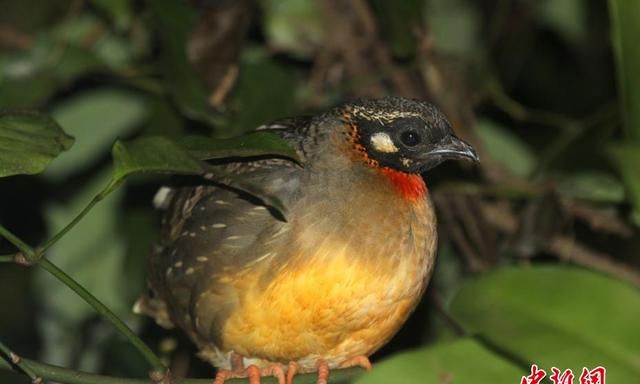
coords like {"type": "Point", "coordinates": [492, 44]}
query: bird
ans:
{"type": "Point", "coordinates": [326, 284]}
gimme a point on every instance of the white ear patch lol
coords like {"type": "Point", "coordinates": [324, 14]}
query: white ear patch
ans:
{"type": "Point", "coordinates": [383, 143]}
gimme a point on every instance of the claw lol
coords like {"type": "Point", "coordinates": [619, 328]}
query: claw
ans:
{"type": "Point", "coordinates": [322, 367]}
{"type": "Point", "coordinates": [252, 372]}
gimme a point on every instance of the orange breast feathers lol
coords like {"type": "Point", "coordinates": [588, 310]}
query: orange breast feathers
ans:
{"type": "Point", "coordinates": [332, 307]}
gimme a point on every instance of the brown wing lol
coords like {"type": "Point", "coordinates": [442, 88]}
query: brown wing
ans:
{"type": "Point", "coordinates": [210, 229]}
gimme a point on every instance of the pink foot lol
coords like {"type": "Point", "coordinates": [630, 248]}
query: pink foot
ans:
{"type": "Point", "coordinates": [252, 372]}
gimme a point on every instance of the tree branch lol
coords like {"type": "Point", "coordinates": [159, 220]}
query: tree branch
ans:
{"type": "Point", "coordinates": [19, 362]}
{"type": "Point", "coordinates": [13, 239]}
{"type": "Point", "coordinates": [69, 376]}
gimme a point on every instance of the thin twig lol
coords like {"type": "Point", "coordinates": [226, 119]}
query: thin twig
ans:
{"type": "Point", "coordinates": [73, 222]}
{"type": "Point", "coordinates": [69, 376]}
{"type": "Point", "coordinates": [564, 247]}
{"type": "Point", "coordinates": [13, 239]}
{"type": "Point", "coordinates": [105, 312]}
{"type": "Point", "coordinates": [568, 249]}
{"type": "Point", "coordinates": [32, 257]}
{"type": "Point", "coordinates": [7, 258]}
{"type": "Point", "coordinates": [19, 362]}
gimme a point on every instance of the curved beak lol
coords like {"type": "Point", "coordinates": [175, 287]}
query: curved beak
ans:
{"type": "Point", "coordinates": [453, 148]}
{"type": "Point", "coordinates": [449, 148]}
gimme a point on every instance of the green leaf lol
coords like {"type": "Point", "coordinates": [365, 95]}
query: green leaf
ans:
{"type": "Point", "coordinates": [254, 144]}
{"type": "Point", "coordinates": [626, 158]}
{"type": "Point", "coordinates": [151, 155]}
{"type": "Point", "coordinates": [625, 20]}
{"type": "Point", "coordinates": [96, 119]}
{"type": "Point", "coordinates": [460, 362]}
{"type": "Point", "coordinates": [258, 71]}
{"type": "Point", "coordinates": [506, 148]}
{"type": "Point", "coordinates": [28, 143]}
{"type": "Point", "coordinates": [592, 186]}
{"type": "Point", "coordinates": [119, 10]}
{"type": "Point", "coordinates": [556, 316]}
{"type": "Point", "coordinates": [567, 17]}
{"type": "Point", "coordinates": [455, 26]}
{"type": "Point", "coordinates": [174, 21]}
{"type": "Point", "coordinates": [400, 20]}
{"type": "Point", "coordinates": [293, 26]}
{"type": "Point", "coordinates": [161, 155]}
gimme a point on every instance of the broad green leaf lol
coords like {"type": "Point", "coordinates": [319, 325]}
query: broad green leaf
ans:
{"type": "Point", "coordinates": [28, 143]}
{"type": "Point", "coordinates": [161, 155]}
{"type": "Point", "coordinates": [506, 148]}
{"type": "Point", "coordinates": [96, 119]}
{"type": "Point", "coordinates": [254, 144]}
{"type": "Point", "coordinates": [556, 316]}
{"type": "Point", "coordinates": [455, 26]}
{"type": "Point", "coordinates": [174, 21]}
{"type": "Point", "coordinates": [626, 158]}
{"type": "Point", "coordinates": [293, 26]}
{"type": "Point", "coordinates": [460, 362]}
{"type": "Point", "coordinates": [625, 20]}
{"type": "Point", "coordinates": [274, 99]}
{"type": "Point", "coordinates": [592, 186]}
{"type": "Point", "coordinates": [28, 78]}
{"type": "Point", "coordinates": [151, 155]}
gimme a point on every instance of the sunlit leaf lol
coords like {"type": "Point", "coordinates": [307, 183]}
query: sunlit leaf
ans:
{"type": "Point", "coordinates": [556, 316]}
{"type": "Point", "coordinates": [625, 19]}
{"type": "Point", "coordinates": [28, 143]}
{"type": "Point", "coordinates": [506, 148]}
{"type": "Point", "coordinates": [460, 362]}
{"type": "Point", "coordinates": [96, 119]}
{"type": "Point", "coordinates": [293, 26]}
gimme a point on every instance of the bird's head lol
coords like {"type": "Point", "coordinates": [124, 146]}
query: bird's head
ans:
{"type": "Point", "coordinates": [401, 138]}
{"type": "Point", "coordinates": [405, 135]}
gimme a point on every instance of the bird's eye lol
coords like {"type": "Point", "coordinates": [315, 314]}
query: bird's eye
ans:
{"type": "Point", "coordinates": [410, 138]}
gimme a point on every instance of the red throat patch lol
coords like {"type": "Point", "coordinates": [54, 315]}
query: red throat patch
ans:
{"type": "Point", "coordinates": [410, 186]}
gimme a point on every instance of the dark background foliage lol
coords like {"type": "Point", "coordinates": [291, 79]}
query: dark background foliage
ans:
{"type": "Point", "coordinates": [538, 258]}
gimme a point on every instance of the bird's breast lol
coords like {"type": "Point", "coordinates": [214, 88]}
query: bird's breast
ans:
{"type": "Point", "coordinates": [340, 285]}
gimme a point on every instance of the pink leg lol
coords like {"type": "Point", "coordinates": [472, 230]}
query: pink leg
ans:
{"type": "Point", "coordinates": [323, 371]}
{"type": "Point", "coordinates": [252, 372]}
